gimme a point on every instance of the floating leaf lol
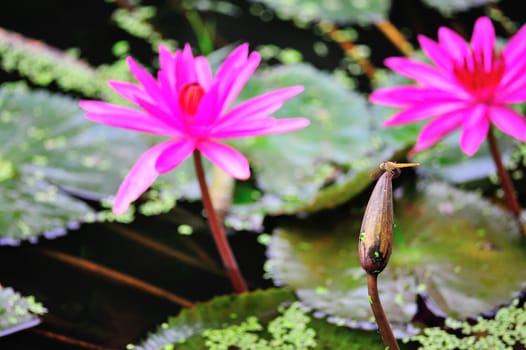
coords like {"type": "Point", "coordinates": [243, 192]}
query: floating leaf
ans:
{"type": "Point", "coordinates": [47, 145]}
{"type": "Point", "coordinates": [17, 312]}
{"type": "Point", "coordinates": [43, 64]}
{"type": "Point", "coordinates": [450, 7]}
{"type": "Point", "coordinates": [465, 253]}
{"type": "Point", "coordinates": [341, 11]}
{"type": "Point", "coordinates": [185, 330]}
{"type": "Point", "coordinates": [446, 161]}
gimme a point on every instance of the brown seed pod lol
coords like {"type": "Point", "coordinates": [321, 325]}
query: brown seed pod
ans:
{"type": "Point", "coordinates": [376, 234]}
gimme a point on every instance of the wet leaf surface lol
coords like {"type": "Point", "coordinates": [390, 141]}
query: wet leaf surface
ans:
{"type": "Point", "coordinates": [18, 312]}
{"type": "Point", "coordinates": [450, 7]}
{"type": "Point", "coordinates": [354, 11]}
{"type": "Point", "coordinates": [48, 146]}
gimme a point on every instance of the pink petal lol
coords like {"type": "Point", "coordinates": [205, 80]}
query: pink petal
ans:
{"type": "Point", "coordinates": [508, 121]}
{"type": "Point", "coordinates": [236, 59]}
{"type": "Point", "coordinates": [516, 47]}
{"type": "Point", "coordinates": [259, 106]}
{"type": "Point", "coordinates": [144, 77]}
{"type": "Point", "coordinates": [260, 127]}
{"type": "Point", "coordinates": [126, 118]}
{"type": "Point", "coordinates": [514, 78]}
{"type": "Point", "coordinates": [423, 111]}
{"type": "Point", "coordinates": [454, 45]}
{"type": "Point", "coordinates": [483, 41]}
{"type": "Point", "coordinates": [166, 74]}
{"type": "Point", "coordinates": [169, 98]}
{"type": "Point", "coordinates": [184, 67]}
{"type": "Point", "coordinates": [437, 129]}
{"type": "Point", "coordinates": [127, 90]}
{"type": "Point", "coordinates": [513, 55]}
{"type": "Point", "coordinates": [474, 129]}
{"type": "Point", "coordinates": [203, 72]}
{"type": "Point", "coordinates": [435, 53]}
{"type": "Point", "coordinates": [176, 152]}
{"type": "Point", "coordinates": [422, 73]}
{"type": "Point", "coordinates": [139, 179]}
{"type": "Point", "coordinates": [406, 96]}
{"type": "Point", "coordinates": [162, 98]}
{"type": "Point", "coordinates": [238, 80]}
{"type": "Point", "coordinates": [516, 93]}
{"type": "Point", "coordinates": [209, 108]}
{"type": "Point", "coordinates": [160, 112]}
{"type": "Point", "coordinates": [226, 158]}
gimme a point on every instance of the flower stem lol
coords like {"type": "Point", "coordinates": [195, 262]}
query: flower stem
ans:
{"type": "Point", "coordinates": [217, 230]}
{"type": "Point", "coordinates": [505, 181]}
{"type": "Point", "coordinates": [381, 320]}
{"type": "Point", "coordinates": [395, 36]}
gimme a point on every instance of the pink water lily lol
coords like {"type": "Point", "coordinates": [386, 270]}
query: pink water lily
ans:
{"type": "Point", "coordinates": [192, 107]}
{"type": "Point", "coordinates": [468, 86]}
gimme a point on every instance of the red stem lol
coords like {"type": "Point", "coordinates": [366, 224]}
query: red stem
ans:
{"type": "Point", "coordinates": [505, 181]}
{"type": "Point", "coordinates": [217, 231]}
{"type": "Point", "coordinates": [381, 320]}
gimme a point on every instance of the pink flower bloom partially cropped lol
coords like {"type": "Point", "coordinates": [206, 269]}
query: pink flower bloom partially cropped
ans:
{"type": "Point", "coordinates": [469, 86]}
{"type": "Point", "coordinates": [191, 106]}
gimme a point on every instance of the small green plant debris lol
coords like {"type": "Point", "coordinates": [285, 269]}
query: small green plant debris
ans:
{"type": "Point", "coordinates": [287, 332]}
{"type": "Point", "coordinates": [506, 331]}
{"type": "Point", "coordinates": [16, 309]}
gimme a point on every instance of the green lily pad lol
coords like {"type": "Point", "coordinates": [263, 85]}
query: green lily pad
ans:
{"type": "Point", "coordinates": [446, 161]}
{"type": "Point", "coordinates": [43, 65]}
{"type": "Point", "coordinates": [18, 312]}
{"type": "Point", "coordinates": [466, 254]}
{"type": "Point", "coordinates": [449, 7]}
{"type": "Point", "coordinates": [237, 313]}
{"type": "Point", "coordinates": [48, 146]}
{"type": "Point", "coordinates": [341, 11]}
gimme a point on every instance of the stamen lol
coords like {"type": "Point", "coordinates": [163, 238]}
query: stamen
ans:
{"type": "Point", "coordinates": [476, 79]}
{"type": "Point", "coordinates": [190, 97]}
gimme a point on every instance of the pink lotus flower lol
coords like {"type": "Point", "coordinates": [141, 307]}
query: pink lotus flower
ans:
{"type": "Point", "coordinates": [192, 107]}
{"type": "Point", "coordinates": [468, 87]}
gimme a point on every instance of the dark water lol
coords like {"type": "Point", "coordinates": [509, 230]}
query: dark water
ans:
{"type": "Point", "coordinates": [87, 306]}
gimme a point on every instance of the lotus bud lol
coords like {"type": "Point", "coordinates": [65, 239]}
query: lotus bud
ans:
{"type": "Point", "coordinates": [376, 233]}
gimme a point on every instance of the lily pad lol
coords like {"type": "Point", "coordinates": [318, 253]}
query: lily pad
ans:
{"type": "Point", "coordinates": [466, 254]}
{"type": "Point", "coordinates": [450, 7]}
{"type": "Point", "coordinates": [48, 146]}
{"type": "Point", "coordinates": [447, 162]}
{"type": "Point", "coordinates": [18, 312]}
{"type": "Point", "coordinates": [340, 11]}
{"type": "Point", "coordinates": [186, 330]}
